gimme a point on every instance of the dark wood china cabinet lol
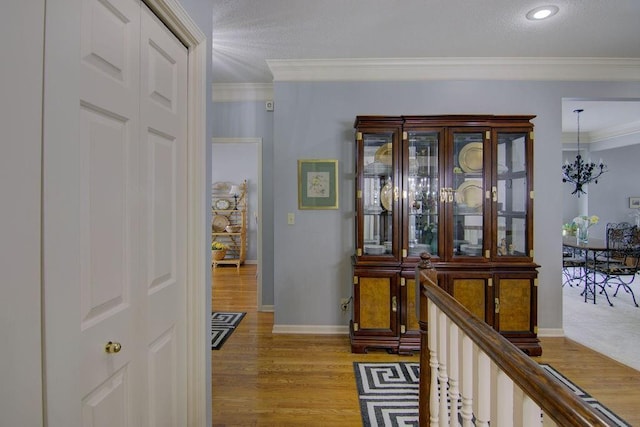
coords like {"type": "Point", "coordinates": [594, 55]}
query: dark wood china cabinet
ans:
{"type": "Point", "coordinates": [461, 188]}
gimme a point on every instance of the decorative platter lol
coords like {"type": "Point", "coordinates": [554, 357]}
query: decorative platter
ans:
{"type": "Point", "coordinates": [470, 193]}
{"type": "Point", "coordinates": [222, 204]}
{"type": "Point", "coordinates": [220, 187]}
{"type": "Point", "coordinates": [470, 157]}
{"type": "Point", "coordinates": [219, 223]}
{"type": "Point", "coordinates": [386, 196]}
{"type": "Point", "coordinates": [384, 154]}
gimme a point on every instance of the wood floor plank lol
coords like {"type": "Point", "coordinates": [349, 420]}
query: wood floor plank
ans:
{"type": "Point", "coordinates": [262, 379]}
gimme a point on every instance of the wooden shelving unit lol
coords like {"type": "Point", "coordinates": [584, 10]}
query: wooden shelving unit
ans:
{"type": "Point", "coordinates": [229, 221]}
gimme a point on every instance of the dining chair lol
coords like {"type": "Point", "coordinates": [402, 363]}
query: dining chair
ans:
{"type": "Point", "coordinates": [621, 263]}
{"type": "Point", "coordinates": [572, 266]}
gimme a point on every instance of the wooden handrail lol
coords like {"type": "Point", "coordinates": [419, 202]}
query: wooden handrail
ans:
{"type": "Point", "coordinates": [553, 398]}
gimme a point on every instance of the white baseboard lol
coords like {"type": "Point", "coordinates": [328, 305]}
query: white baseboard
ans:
{"type": "Point", "coordinates": [311, 329]}
{"type": "Point", "coordinates": [266, 308]}
{"type": "Point", "coordinates": [551, 332]}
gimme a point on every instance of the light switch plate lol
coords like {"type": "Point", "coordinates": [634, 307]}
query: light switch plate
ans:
{"type": "Point", "coordinates": [291, 218]}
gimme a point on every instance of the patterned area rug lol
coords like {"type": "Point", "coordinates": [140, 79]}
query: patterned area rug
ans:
{"type": "Point", "coordinates": [222, 326]}
{"type": "Point", "coordinates": [388, 394]}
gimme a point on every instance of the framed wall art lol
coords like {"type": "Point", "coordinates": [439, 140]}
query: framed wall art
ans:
{"type": "Point", "coordinates": [317, 184]}
{"type": "Point", "coordinates": [634, 202]}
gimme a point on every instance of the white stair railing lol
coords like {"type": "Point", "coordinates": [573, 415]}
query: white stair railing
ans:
{"type": "Point", "coordinates": [470, 375]}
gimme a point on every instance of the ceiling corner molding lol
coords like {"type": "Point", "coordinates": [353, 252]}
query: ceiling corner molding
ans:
{"type": "Point", "coordinates": [471, 68]}
{"type": "Point", "coordinates": [625, 129]}
{"type": "Point", "coordinates": [231, 92]}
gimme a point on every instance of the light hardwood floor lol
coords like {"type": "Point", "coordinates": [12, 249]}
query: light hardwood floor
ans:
{"type": "Point", "coordinates": [262, 379]}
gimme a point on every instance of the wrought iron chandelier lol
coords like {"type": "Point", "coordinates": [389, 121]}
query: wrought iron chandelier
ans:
{"type": "Point", "coordinates": [580, 172]}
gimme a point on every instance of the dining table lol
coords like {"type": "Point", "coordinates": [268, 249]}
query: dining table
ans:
{"type": "Point", "coordinates": [591, 250]}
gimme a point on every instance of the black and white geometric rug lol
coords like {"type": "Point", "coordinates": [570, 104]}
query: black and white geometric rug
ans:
{"type": "Point", "coordinates": [222, 326]}
{"type": "Point", "coordinates": [388, 393]}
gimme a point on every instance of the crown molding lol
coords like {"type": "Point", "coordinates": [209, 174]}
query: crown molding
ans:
{"type": "Point", "coordinates": [421, 69]}
{"type": "Point", "coordinates": [602, 135]}
{"type": "Point", "coordinates": [527, 68]}
{"type": "Point", "coordinates": [232, 92]}
{"type": "Point", "coordinates": [622, 130]}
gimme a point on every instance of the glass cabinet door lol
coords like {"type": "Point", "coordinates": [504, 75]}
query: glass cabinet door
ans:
{"type": "Point", "coordinates": [466, 194]}
{"type": "Point", "coordinates": [423, 188]}
{"type": "Point", "coordinates": [512, 194]}
{"type": "Point", "coordinates": [379, 195]}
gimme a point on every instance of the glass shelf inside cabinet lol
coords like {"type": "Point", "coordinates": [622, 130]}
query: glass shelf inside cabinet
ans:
{"type": "Point", "coordinates": [423, 192]}
{"type": "Point", "coordinates": [512, 194]}
{"type": "Point", "coordinates": [378, 194]}
{"type": "Point", "coordinates": [468, 193]}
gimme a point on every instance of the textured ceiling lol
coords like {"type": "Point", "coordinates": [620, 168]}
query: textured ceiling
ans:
{"type": "Point", "coordinates": [248, 32]}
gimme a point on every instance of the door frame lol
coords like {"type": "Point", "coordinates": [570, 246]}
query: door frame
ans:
{"type": "Point", "coordinates": [258, 142]}
{"type": "Point", "coordinates": [173, 15]}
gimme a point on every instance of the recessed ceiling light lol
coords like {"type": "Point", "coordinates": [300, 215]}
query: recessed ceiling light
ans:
{"type": "Point", "coordinates": [542, 12]}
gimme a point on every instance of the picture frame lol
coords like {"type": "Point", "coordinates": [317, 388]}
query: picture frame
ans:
{"type": "Point", "coordinates": [317, 184]}
{"type": "Point", "coordinates": [634, 202]}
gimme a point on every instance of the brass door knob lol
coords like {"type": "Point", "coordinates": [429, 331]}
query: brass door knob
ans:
{"type": "Point", "coordinates": [112, 347]}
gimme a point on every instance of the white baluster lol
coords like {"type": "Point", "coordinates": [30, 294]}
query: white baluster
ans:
{"type": "Point", "coordinates": [483, 387]}
{"type": "Point", "coordinates": [518, 399]}
{"type": "Point", "coordinates": [504, 399]}
{"type": "Point", "coordinates": [466, 383]}
{"type": "Point", "coordinates": [443, 378]}
{"type": "Point", "coordinates": [531, 413]}
{"type": "Point", "coordinates": [432, 337]}
{"type": "Point", "coordinates": [548, 422]}
{"type": "Point", "coordinates": [454, 393]}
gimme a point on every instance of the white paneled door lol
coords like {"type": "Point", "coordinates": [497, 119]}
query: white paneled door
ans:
{"type": "Point", "coordinates": [115, 224]}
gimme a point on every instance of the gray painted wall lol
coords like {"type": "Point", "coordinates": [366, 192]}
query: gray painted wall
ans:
{"type": "Point", "coordinates": [20, 192]}
{"type": "Point", "coordinates": [609, 199]}
{"type": "Point", "coordinates": [311, 259]}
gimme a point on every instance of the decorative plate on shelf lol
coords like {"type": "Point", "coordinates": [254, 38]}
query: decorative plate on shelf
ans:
{"type": "Point", "coordinates": [386, 196]}
{"type": "Point", "coordinates": [219, 223]}
{"type": "Point", "coordinates": [220, 187]}
{"type": "Point", "coordinates": [470, 193]}
{"type": "Point", "coordinates": [222, 204]}
{"type": "Point", "coordinates": [384, 154]}
{"type": "Point", "coordinates": [470, 157]}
